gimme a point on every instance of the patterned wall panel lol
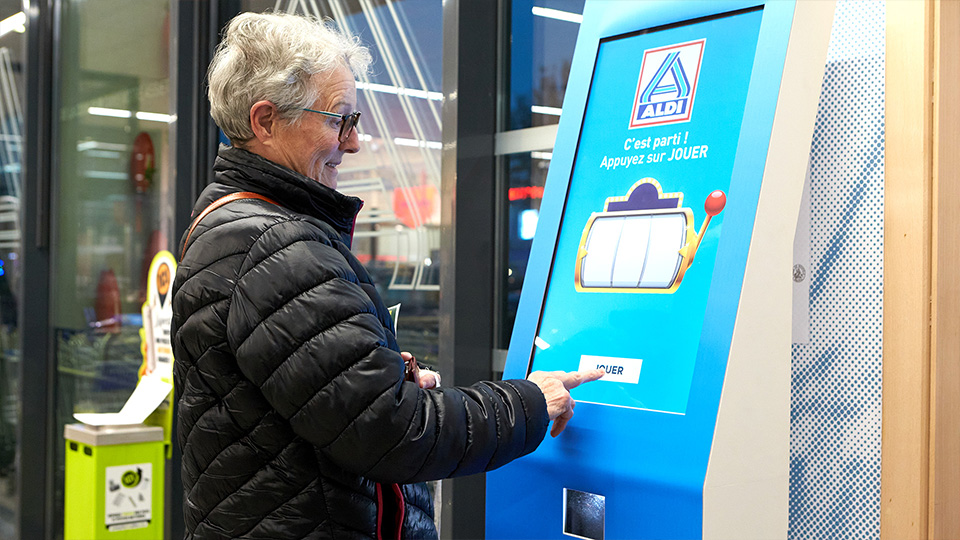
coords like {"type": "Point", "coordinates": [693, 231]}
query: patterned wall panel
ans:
{"type": "Point", "coordinates": [836, 395]}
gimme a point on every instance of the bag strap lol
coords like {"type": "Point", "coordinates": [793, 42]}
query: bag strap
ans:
{"type": "Point", "coordinates": [217, 204]}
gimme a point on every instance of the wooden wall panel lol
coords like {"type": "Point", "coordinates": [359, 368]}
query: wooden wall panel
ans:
{"type": "Point", "coordinates": [944, 474]}
{"type": "Point", "coordinates": [907, 270]}
{"type": "Point", "coordinates": [920, 485]}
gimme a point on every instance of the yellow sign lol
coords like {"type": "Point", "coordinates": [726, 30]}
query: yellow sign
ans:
{"type": "Point", "coordinates": [155, 335]}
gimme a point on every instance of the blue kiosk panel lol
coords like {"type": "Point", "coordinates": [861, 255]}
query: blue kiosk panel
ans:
{"type": "Point", "coordinates": [638, 263]}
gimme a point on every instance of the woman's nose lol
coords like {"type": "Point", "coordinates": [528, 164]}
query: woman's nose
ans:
{"type": "Point", "coordinates": [351, 144]}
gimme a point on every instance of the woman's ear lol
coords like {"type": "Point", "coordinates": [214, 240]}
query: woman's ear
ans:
{"type": "Point", "coordinates": [264, 120]}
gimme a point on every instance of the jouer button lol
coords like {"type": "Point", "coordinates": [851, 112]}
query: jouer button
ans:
{"type": "Point", "coordinates": [624, 370]}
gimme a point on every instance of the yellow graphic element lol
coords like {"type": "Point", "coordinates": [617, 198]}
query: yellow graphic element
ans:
{"type": "Point", "coordinates": [155, 344]}
{"type": "Point", "coordinates": [163, 278]}
{"type": "Point", "coordinates": [642, 242]}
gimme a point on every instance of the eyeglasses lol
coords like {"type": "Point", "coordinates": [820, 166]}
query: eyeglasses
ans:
{"type": "Point", "coordinates": [347, 122]}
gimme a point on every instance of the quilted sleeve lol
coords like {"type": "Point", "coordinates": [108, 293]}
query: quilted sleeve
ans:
{"type": "Point", "coordinates": [305, 332]}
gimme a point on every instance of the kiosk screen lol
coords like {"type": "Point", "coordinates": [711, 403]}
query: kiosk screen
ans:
{"type": "Point", "coordinates": [644, 210]}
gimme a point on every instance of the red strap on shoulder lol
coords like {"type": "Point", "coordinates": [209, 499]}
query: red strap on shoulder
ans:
{"type": "Point", "coordinates": [402, 508]}
{"type": "Point", "coordinates": [217, 204]}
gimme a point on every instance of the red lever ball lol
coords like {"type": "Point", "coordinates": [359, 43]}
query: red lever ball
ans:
{"type": "Point", "coordinates": [715, 203]}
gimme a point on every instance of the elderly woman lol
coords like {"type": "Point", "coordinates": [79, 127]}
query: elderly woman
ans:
{"type": "Point", "coordinates": [296, 416]}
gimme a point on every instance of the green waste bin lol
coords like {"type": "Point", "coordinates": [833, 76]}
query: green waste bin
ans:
{"type": "Point", "coordinates": [114, 482]}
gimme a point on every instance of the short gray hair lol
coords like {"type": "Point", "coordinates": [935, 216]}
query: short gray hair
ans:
{"type": "Point", "coordinates": [273, 56]}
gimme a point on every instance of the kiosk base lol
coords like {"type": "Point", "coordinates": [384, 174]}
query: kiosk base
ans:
{"type": "Point", "coordinates": [114, 483]}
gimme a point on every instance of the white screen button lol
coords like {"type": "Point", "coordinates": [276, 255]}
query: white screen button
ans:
{"type": "Point", "coordinates": [625, 370]}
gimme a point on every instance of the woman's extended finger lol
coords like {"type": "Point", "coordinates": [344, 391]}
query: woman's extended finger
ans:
{"type": "Point", "coordinates": [574, 379]}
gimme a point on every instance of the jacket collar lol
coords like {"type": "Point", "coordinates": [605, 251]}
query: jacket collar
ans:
{"type": "Point", "coordinates": [250, 172]}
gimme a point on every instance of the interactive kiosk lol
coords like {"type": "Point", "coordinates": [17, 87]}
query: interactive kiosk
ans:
{"type": "Point", "coordinates": [663, 253]}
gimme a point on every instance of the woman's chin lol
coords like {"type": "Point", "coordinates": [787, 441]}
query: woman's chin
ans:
{"type": "Point", "coordinates": [328, 179]}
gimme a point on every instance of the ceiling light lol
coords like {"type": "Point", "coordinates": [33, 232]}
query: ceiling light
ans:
{"type": "Point", "coordinates": [97, 145]}
{"type": "Point", "coordinates": [155, 117]}
{"type": "Point", "coordinates": [115, 113]}
{"type": "Point", "coordinates": [415, 143]}
{"type": "Point", "coordinates": [123, 113]}
{"type": "Point", "coordinates": [540, 109]}
{"type": "Point", "coordinates": [396, 90]}
{"type": "Point", "coordinates": [13, 23]}
{"type": "Point", "coordinates": [557, 14]}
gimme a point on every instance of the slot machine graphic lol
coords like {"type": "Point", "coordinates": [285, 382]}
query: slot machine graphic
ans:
{"type": "Point", "coordinates": [643, 242]}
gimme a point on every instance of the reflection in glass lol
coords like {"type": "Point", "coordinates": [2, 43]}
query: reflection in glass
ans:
{"type": "Point", "coordinates": [526, 174]}
{"type": "Point", "coordinates": [113, 201]}
{"type": "Point", "coordinates": [12, 57]}
{"type": "Point", "coordinates": [542, 37]}
{"type": "Point", "coordinates": [397, 172]}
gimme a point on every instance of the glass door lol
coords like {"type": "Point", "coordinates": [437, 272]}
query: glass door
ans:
{"type": "Point", "coordinates": [397, 172]}
{"type": "Point", "coordinates": [112, 199]}
{"type": "Point", "coordinates": [535, 68]}
{"type": "Point", "coordinates": [12, 30]}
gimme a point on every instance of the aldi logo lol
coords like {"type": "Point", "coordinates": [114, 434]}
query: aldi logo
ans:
{"type": "Point", "coordinates": [667, 84]}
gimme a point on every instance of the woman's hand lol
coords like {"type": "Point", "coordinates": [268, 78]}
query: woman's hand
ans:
{"type": "Point", "coordinates": [424, 378]}
{"type": "Point", "coordinates": [556, 386]}
{"type": "Point", "coordinates": [429, 379]}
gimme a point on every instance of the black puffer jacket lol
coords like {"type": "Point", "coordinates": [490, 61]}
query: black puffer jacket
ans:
{"type": "Point", "coordinates": [294, 419]}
